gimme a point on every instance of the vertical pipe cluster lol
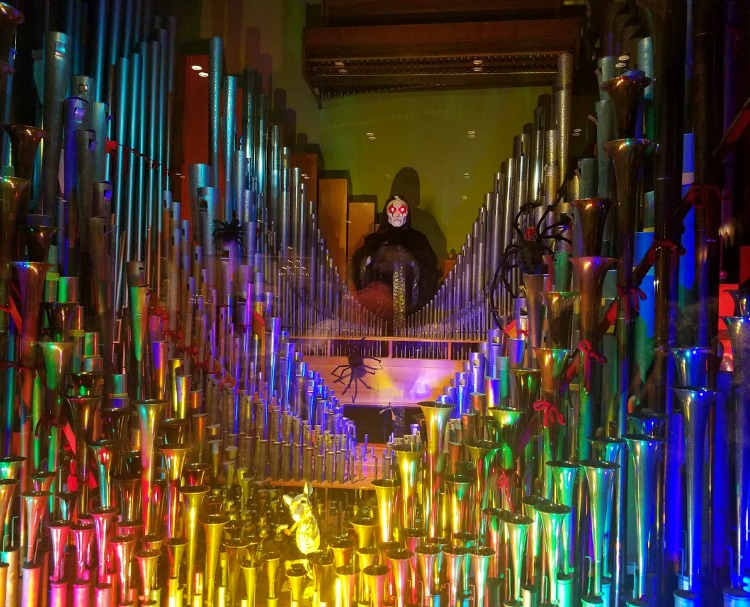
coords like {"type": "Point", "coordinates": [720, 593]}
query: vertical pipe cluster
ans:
{"type": "Point", "coordinates": [147, 356]}
{"type": "Point", "coordinates": [473, 298]}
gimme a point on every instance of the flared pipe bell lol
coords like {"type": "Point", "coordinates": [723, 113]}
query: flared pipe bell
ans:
{"type": "Point", "coordinates": [427, 557]}
{"type": "Point", "coordinates": [646, 454]}
{"type": "Point", "coordinates": [627, 156]}
{"type": "Point", "coordinates": [517, 529]}
{"type": "Point", "coordinates": [591, 272]}
{"type": "Point", "coordinates": [409, 460]}
{"type": "Point", "coordinates": [149, 414]}
{"type": "Point", "coordinates": [10, 19]}
{"type": "Point", "coordinates": [696, 405]}
{"type": "Point", "coordinates": [124, 551]}
{"type": "Point", "coordinates": [213, 527]}
{"type": "Point", "coordinates": [436, 419]}
{"type": "Point", "coordinates": [741, 299]}
{"type": "Point", "coordinates": [600, 478]}
{"type": "Point", "coordinates": [24, 144]}
{"type": "Point", "coordinates": [388, 493]}
{"type": "Point", "coordinates": [625, 92]}
{"type": "Point", "coordinates": [560, 309]}
{"type": "Point", "coordinates": [552, 517]}
{"type": "Point", "coordinates": [693, 366]}
{"type": "Point", "coordinates": [553, 363]}
{"type": "Point", "coordinates": [534, 287]}
{"type": "Point", "coordinates": [589, 229]}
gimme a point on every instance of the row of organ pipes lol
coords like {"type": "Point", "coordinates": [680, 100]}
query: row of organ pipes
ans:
{"type": "Point", "coordinates": [152, 385]}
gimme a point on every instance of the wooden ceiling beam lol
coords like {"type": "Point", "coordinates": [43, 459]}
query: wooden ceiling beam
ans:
{"type": "Point", "coordinates": [347, 60]}
{"type": "Point", "coordinates": [341, 12]}
{"type": "Point", "coordinates": [419, 39]}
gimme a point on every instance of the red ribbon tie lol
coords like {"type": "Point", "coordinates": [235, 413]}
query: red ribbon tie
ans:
{"type": "Point", "coordinates": [550, 413]}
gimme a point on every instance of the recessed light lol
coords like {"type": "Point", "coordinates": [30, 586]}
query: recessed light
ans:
{"type": "Point", "coordinates": [624, 58]}
{"type": "Point", "coordinates": [203, 74]}
{"type": "Point", "coordinates": [472, 136]}
{"type": "Point", "coordinates": [467, 175]}
{"type": "Point", "coordinates": [338, 63]}
{"type": "Point", "coordinates": [196, 68]}
{"type": "Point", "coordinates": [369, 134]}
{"type": "Point", "coordinates": [464, 197]}
{"type": "Point", "coordinates": [372, 138]}
{"type": "Point", "coordinates": [576, 133]}
{"type": "Point", "coordinates": [478, 61]}
{"type": "Point", "coordinates": [478, 68]}
{"type": "Point", "coordinates": [343, 71]}
{"type": "Point", "coordinates": [471, 132]}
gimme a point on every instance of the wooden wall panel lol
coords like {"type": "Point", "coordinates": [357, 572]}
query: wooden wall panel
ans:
{"type": "Point", "coordinates": [361, 223]}
{"type": "Point", "coordinates": [333, 197]}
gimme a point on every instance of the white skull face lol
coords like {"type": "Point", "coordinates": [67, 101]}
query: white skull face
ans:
{"type": "Point", "coordinates": [397, 211]}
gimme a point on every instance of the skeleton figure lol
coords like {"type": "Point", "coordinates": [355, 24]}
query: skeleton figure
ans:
{"type": "Point", "coordinates": [307, 534]}
{"type": "Point", "coordinates": [397, 211]}
{"type": "Point", "coordinates": [395, 245]}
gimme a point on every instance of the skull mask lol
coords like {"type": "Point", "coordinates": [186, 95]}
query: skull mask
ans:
{"type": "Point", "coordinates": [397, 210]}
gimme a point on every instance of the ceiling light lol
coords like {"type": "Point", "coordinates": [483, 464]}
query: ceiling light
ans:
{"type": "Point", "coordinates": [371, 138]}
{"type": "Point", "coordinates": [338, 63]}
{"type": "Point", "coordinates": [472, 136]}
{"type": "Point", "coordinates": [370, 134]}
{"type": "Point", "coordinates": [478, 61]}
{"type": "Point", "coordinates": [471, 132]}
{"type": "Point", "coordinates": [464, 197]}
{"type": "Point", "coordinates": [203, 74]}
{"type": "Point", "coordinates": [196, 68]}
{"type": "Point", "coordinates": [478, 68]}
{"type": "Point", "coordinates": [342, 71]}
{"type": "Point", "coordinates": [624, 58]}
{"type": "Point", "coordinates": [467, 175]}
{"type": "Point", "coordinates": [621, 65]}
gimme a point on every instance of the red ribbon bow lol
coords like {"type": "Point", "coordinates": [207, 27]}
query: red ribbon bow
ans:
{"type": "Point", "coordinates": [698, 195]}
{"type": "Point", "coordinates": [503, 480]}
{"type": "Point", "coordinates": [189, 350]}
{"type": "Point", "coordinates": [177, 335]}
{"type": "Point", "coordinates": [634, 294]}
{"type": "Point", "coordinates": [551, 414]}
{"type": "Point", "coordinates": [589, 354]}
{"type": "Point", "coordinates": [664, 243]}
{"type": "Point", "coordinates": [49, 421]}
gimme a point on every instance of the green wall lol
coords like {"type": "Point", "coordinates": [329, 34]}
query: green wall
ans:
{"type": "Point", "coordinates": [426, 131]}
{"type": "Point", "coordinates": [429, 132]}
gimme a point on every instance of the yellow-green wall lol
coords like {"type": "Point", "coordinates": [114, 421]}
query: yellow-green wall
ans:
{"type": "Point", "coordinates": [427, 131]}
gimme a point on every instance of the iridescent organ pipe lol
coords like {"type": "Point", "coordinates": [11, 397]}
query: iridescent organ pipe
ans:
{"type": "Point", "coordinates": [223, 353]}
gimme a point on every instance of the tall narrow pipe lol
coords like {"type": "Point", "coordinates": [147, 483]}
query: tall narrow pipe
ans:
{"type": "Point", "coordinates": [215, 65]}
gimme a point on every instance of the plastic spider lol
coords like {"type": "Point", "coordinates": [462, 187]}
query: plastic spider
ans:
{"type": "Point", "coordinates": [228, 231]}
{"type": "Point", "coordinates": [355, 369]}
{"type": "Point", "coordinates": [531, 245]}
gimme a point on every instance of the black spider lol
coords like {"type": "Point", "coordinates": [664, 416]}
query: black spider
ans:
{"type": "Point", "coordinates": [531, 245]}
{"type": "Point", "coordinates": [355, 369]}
{"type": "Point", "coordinates": [228, 231]}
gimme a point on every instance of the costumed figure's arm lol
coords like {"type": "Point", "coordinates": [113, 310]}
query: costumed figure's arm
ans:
{"type": "Point", "coordinates": [429, 273]}
{"type": "Point", "coordinates": [361, 259]}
